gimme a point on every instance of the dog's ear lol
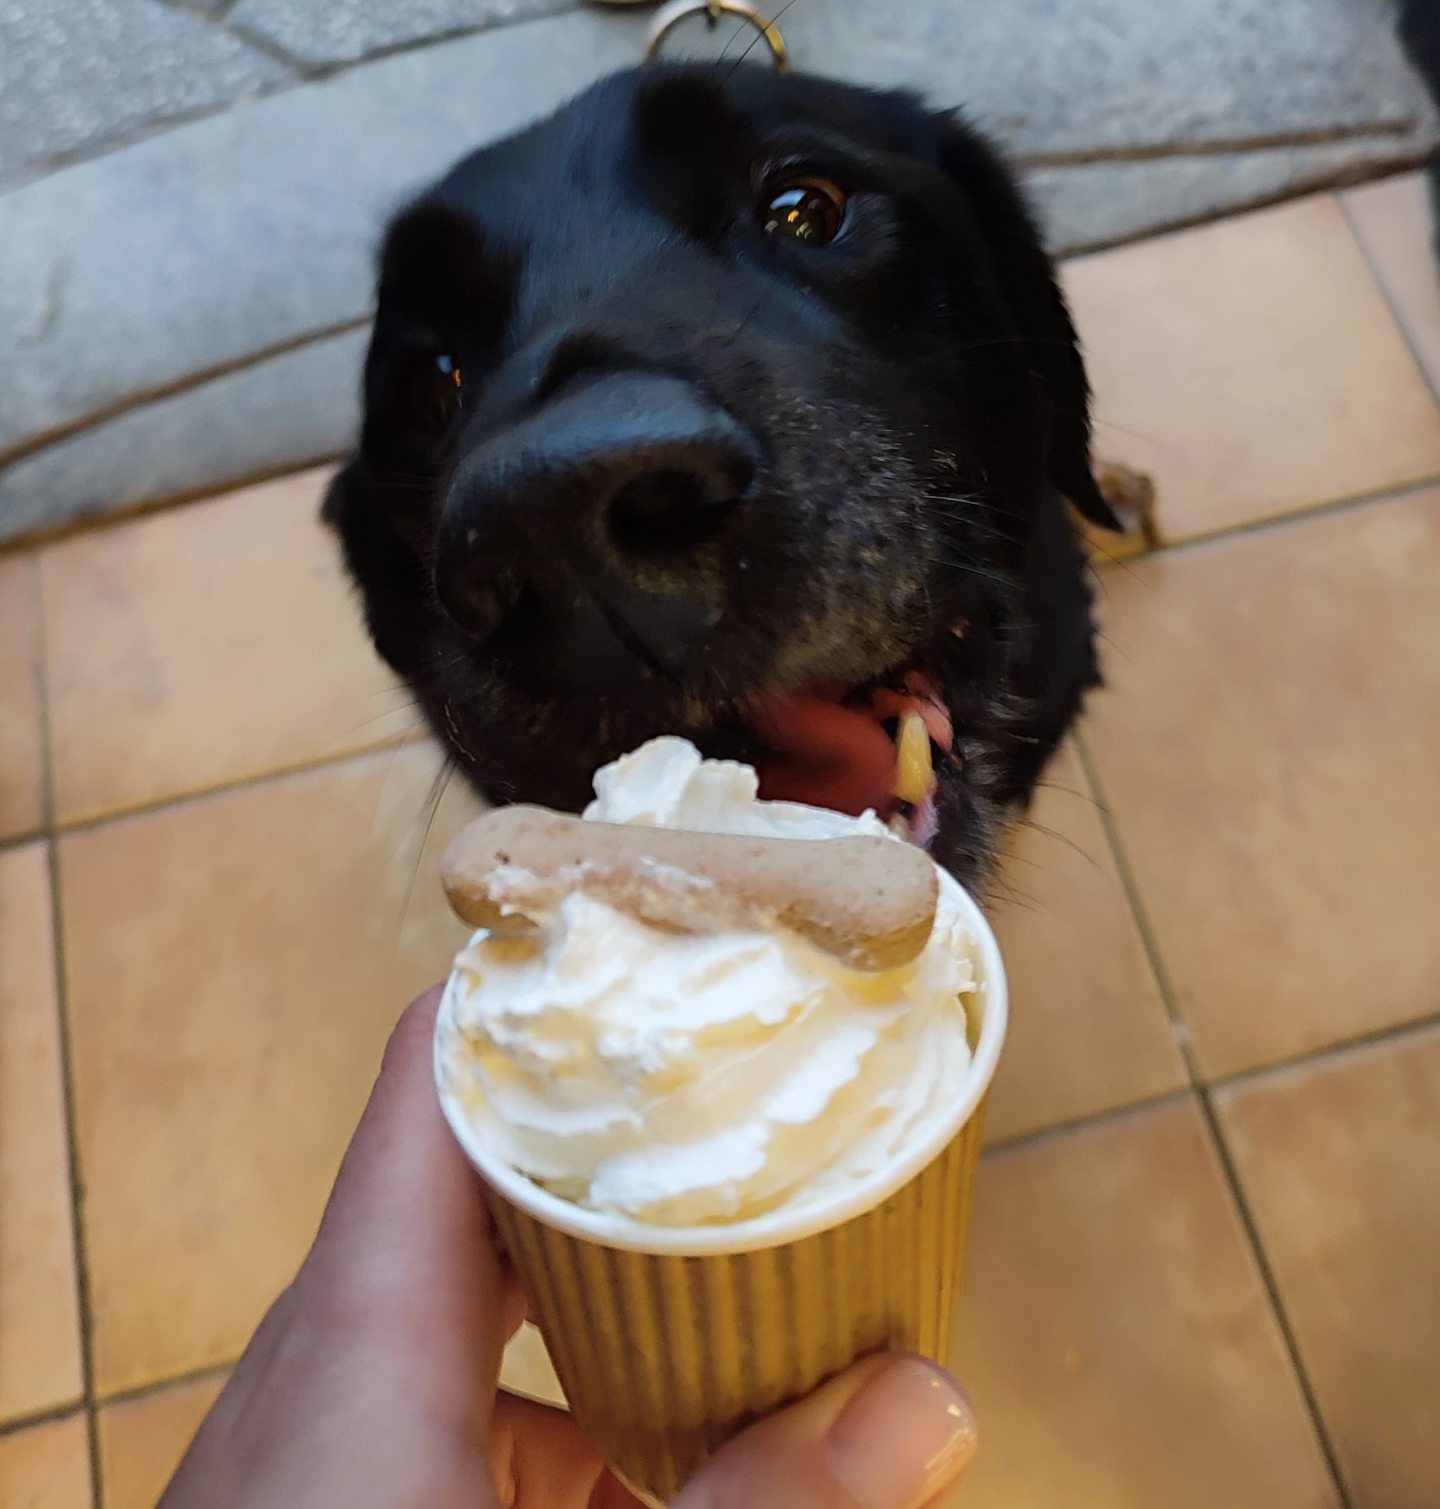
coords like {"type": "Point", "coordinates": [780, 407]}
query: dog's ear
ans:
{"type": "Point", "coordinates": [1025, 276]}
{"type": "Point", "coordinates": [385, 567]}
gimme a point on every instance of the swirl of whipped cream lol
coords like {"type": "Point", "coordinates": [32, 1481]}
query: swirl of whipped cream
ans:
{"type": "Point", "coordinates": [682, 1078]}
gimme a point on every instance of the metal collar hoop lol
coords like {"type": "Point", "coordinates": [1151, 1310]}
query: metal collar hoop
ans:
{"type": "Point", "coordinates": [668, 17]}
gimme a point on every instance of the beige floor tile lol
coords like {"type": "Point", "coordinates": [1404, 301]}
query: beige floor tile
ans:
{"type": "Point", "coordinates": [1115, 1335]}
{"type": "Point", "coordinates": [1393, 222]}
{"type": "Point", "coordinates": [1268, 747]}
{"type": "Point", "coordinates": [39, 1331]}
{"type": "Point", "coordinates": [21, 754]}
{"type": "Point", "coordinates": [528, 1370]}
{"type": "Point", "coordinates": [1088, 1030]}
{"type": "Point", "coordinates": [234, 964]}
{"type": "Point", "coordinates": [1253, 367]}
{"type": "Point", "coordinates": [46, 1466]}
{"type": "Point", "coordinates": [206, 645]}
{"type": "Point", "coordinates": [142, 1440]}
{"type": "Point", "coordinates": [1341, 1163]}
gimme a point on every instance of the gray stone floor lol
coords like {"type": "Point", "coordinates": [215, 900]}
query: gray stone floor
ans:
{"type": "Point", "coordinates": [190, 189]}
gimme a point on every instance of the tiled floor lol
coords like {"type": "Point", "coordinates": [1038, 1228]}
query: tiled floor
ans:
{"type": "Point", "coordinates": [1207, 1234]}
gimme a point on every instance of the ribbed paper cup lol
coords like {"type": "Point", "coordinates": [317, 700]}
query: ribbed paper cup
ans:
{"type": "Point", "coordinates": [669, 1340]}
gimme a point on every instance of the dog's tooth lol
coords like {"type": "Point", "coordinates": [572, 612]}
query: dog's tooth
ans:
{"type": "Point", "coordinates": [914, 773]}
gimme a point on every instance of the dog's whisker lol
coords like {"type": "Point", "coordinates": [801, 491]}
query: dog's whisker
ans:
{"type": "Point", "coordinates": [973, 529]}
{"type": "Point", "coordinates": [1080, 793]}
{"type": "Point", "coordinates": [1113, 561]}
{"type": "Point", "coordinates": [1099, 422]}
{"type": "Point", "coordinates": [1061, 838]}
{"type": "Point", "coordinates": [365, 726]}
{"type": "Point", "coordinates": [740, 29]}
{"type": "Point", "coordinates": [429, 809]}
{"type": "Point", "coordinates": [760, 35]}
{"type": "Point", "coordinates": [1002, 889]}
{"type": "Point", "coordinates": [980, 573]}
{"type": "Point", "coordinates": [1011, 340]}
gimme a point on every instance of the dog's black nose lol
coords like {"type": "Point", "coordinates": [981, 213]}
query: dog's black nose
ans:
{"type": "Point", "coordinates": [597, 502]}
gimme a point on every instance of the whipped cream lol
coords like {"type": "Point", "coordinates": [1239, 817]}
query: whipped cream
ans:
{"type": "Point", "coordinates": [675, 1078]}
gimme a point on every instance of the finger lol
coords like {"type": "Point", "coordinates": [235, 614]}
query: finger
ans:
{"type": "Point", "coordinates": [405, 1247]}
{"type": "Point", "coordinates": [543, 1451]}
{"type": "Point", "coordinates": [893, 1432]}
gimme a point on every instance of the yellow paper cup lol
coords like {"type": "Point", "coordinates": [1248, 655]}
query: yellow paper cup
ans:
{"type": "Point", "coordinates": [669, 1340]}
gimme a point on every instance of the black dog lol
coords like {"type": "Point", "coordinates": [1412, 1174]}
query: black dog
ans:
{"type": "Point", "coordinates": [740, 407]}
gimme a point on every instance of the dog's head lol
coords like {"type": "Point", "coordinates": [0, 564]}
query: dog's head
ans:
{"type": "Point", "coordinates": [734, 406]}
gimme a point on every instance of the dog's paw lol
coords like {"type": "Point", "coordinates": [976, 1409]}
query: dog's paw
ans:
{"type": "Point", "coordinates": [1131, 495]}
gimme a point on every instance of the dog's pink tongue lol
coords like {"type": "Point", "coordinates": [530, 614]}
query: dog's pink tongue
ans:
{"type": "Point", "coordinates": [825, 754]}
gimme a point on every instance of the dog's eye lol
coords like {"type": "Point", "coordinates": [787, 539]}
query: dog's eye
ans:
{"type": "Point", "coordinates": [436, 388]}
{"type": "Point", "coordinates": [808, 209]}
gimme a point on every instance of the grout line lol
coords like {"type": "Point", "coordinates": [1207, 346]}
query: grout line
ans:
{"type": "Point", "coordinates": [1382, 283]}
{"type": "Point", "coordinates": [19, 840]}
{"type": "Point", "coordinates": [16, 1423]}
{"type": "Point", "coordinates": [1277, 521]}
{"type": "Point", "coordinates": [1318, 1057]}
{"type": "Point", "coordinates": [131, 402]}
{"type": "Point", "coordinates": [302, 73]}
{"type": "Point", "coordinates": [68, 529]}
{"type": "Point", "coordinates": [315, 71]}
{"type": "Point", "coordinates": [83, 1299]}
{"type": "Point", "coordinates": [239, 783]}
{"type": "Point", "coordinates": [1203, 1093]}
{"type": "Point", "coordinates": [27, 175]}
{"type": "Point", "coordinates": [47, 1416]}
{"type": "Point", "coordinates": [1271, 1282]}
{"type": "Point", "coordinates": [171, 1380]}
{"type": "Point", "coordinates": [1089, 1119]}
{"type": "Point", "coordinates": [217, 19]}
{"type": "Point", "coordinates": [1331, 182]}
{"type": "Point", "coordinates": [142, 398]}
{"type": "Point", "coordinates": [1221, 146]}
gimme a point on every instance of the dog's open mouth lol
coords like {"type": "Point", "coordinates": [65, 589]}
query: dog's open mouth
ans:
{"type": "Point", "coordinates": [851, 749]}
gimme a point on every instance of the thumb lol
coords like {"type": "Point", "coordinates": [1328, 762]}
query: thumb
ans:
{"type": "Point", "coordinates": [405, 1257]}
{"type": "Point", "coordinates": [893, 1432]}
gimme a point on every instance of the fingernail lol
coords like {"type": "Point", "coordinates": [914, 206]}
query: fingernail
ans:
{"type": "Point", "coordinates": [903, 1438]}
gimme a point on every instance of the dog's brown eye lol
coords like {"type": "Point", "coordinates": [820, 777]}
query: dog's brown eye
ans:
{"type": "Point", "coordinates": [808, 209]}
{"type": "Point", "coordinates": [436, 388]}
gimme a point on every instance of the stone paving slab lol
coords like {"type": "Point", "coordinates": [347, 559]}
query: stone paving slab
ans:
{"type": "Point", "coordinates": [72, 71]}
{"type": "Point", "coordinates": [251, 228]}
{"type": "Point", "coordinates": [342, 31]}
{"type": "Point", "coordinates": [1097, 204]}
{"type": "Point", "coordinates": [214, 244]}
{"type": "Point", "coordinates": [281, 415]}
{"type": "Point", "coordinates": [1076, 77]}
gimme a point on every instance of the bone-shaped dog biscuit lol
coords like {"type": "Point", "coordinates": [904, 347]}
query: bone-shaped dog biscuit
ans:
{"type": "Point", "coordinates": [868, 901]}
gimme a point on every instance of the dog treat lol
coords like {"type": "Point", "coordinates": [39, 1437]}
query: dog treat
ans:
{"type": "Point", "coordinates": [868, 901]}
{"type": "Point", "coordinates": [914, 770]}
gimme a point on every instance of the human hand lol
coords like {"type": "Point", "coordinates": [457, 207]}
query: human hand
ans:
{"type": "Point", "coordinates": [372, 1382]}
